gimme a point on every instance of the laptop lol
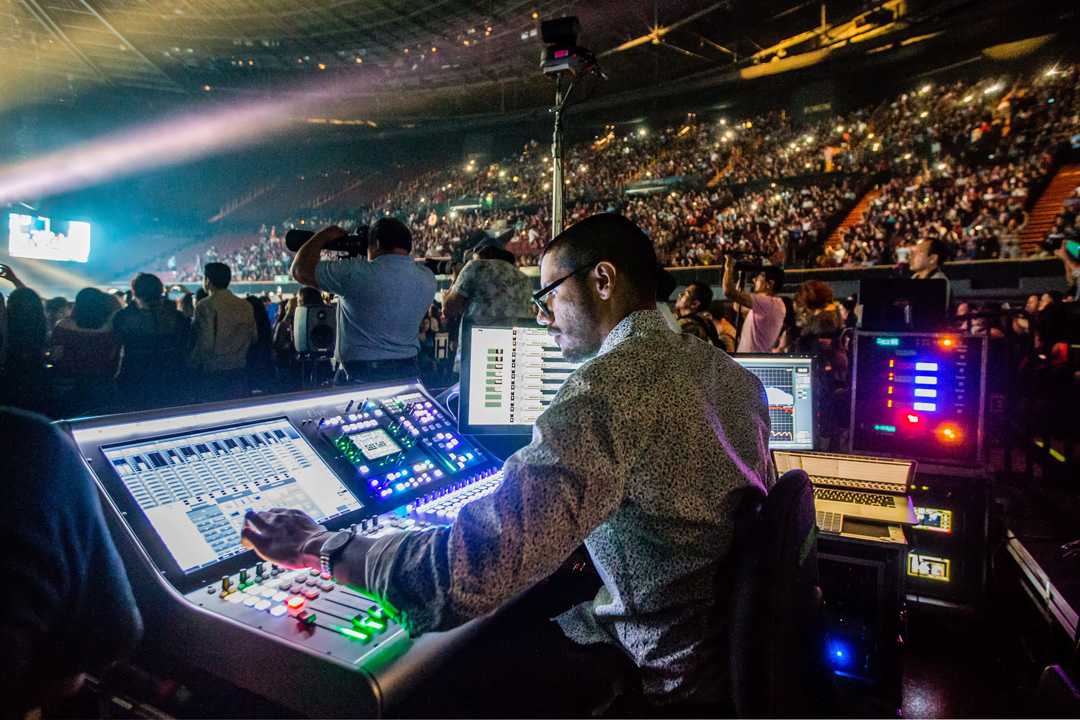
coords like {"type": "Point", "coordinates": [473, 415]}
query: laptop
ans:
{"type": "Point", "coordinates": [860, 487]}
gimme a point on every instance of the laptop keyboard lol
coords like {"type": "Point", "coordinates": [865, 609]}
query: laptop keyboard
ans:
{"type": "Point", "coordinates": [852, 496]}
{"type": "Point", "coordinates": [857, 484]}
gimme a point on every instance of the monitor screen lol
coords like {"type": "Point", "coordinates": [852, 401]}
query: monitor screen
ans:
{"type": "Point", "coordinates": [789, 387]}
{"type": "Point", "coordinates": [919, 395]}
{"type": "Point", "coordinates": [195, 488]}
{"type": "Point", "coordinates": [40, 238]}
{"type": "Point", "coordinates": [509, 375]}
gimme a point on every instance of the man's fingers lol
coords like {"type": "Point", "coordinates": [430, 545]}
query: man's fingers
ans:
{"type": "Point", "coordinates": [258, 519]}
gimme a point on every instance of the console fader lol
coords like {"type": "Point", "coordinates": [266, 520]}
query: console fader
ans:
{"type": "Point", "coordinates": [176, 484]}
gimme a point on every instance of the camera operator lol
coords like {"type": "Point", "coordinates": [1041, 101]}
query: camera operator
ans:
{"type": "Point", "coordinates": [381, 300]}
{"type": "Point", "coordinates": [765, 312]}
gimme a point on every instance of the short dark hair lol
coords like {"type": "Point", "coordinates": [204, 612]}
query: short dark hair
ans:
{"type": "Point", "coordinates": [218, 274]}
{"type": "Point", "coordinates": [92, 308]}
{"type": "Point", "coordinates": [702, 293]}
{"type": "Point", "coordinates": [774, 274]}
{"type": "Point", "coordinates": [148, 288]}
{"type": "Point", "coordinates": [389, 233]}
{"type": "Point", "coordinates": [494, 252]}
{"type": "Point", "coordinates": [940, 248]}
{"type": "Point", "coordinates": [611, 237]}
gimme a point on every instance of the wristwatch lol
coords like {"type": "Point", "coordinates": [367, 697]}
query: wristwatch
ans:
{"type": "Point", "coordinates": [332, 548]}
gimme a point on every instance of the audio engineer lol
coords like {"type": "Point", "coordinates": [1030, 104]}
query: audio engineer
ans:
{"type": "Point", "coordinates": [642, 456]}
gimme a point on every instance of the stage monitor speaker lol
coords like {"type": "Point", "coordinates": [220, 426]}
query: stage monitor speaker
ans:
{"type": "Point", "coordinates": [314, 329]}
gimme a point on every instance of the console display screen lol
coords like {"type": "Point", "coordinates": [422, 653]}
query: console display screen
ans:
{"type": "Point", "coordinates": [195, 488]}
{"type": "Point", "coordinates": [375, 444]}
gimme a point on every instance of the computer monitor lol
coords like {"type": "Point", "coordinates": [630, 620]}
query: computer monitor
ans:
{"type": "Point", "coordinates": [510, 372]}
{"type": "Point", "coordinates": [789, 387]}
{"type": "Point", "coordinates": [903, 304]}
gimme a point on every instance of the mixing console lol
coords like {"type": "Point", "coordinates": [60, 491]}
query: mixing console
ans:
{"type": "Point", "coordinates": [176, 484]}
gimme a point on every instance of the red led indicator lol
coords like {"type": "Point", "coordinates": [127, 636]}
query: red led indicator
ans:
{"type": "Point", "coordinates": [560, 54]}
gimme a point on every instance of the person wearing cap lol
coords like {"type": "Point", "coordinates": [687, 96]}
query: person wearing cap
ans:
{"type": "Point", "coordinates": [765, 312]}
{"type": "Point", "coordinates": [643, 455]}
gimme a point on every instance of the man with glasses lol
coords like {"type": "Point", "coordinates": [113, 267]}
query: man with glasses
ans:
{"type": "Point", "coordinates": [642, 455]}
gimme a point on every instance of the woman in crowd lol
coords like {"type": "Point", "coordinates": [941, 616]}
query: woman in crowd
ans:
{"type": "Point", "coordinates": [25, 383]}
{"type": "Point", "coordinates": [86, 354]}
{"type": "Point", "coordinates": [154, 336]}
{"type": "Point", "coordinates": [186, 305]}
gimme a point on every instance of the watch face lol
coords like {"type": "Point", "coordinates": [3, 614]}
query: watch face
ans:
{"type": "Point", "coordinates": [335, 542]}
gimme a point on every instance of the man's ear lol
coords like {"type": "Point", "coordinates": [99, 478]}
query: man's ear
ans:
{"type": "Point", "coordinates": [604, 275]}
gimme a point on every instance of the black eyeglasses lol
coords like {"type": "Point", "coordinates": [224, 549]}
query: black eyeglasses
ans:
{"type": "Point", "coordinates": [539, 297]}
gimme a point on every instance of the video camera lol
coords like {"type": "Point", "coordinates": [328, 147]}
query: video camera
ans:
{"type": "Point", "coordinates": [350, 245]}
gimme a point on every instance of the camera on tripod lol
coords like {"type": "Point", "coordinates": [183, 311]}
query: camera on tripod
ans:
{"type": "Point", "coordinates": [350, 246]}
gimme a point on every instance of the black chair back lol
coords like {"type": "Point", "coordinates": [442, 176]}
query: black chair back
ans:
{"type": "Point", "coordinates": [776, 648]}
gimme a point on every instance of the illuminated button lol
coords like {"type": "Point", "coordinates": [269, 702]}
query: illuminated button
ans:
{"type": "Point", "coordinates": [280, 596]}
{"type": "Point", "coordinates": [295, 602]}
{"type": "Point", "coordinates": [235, 598]}
{"type": "Point", "coordinates": [326, 586]}
{"type": "Point", "coordinates": [354, 634]}
{"type": "Point", "coordinates": [310, 593]}
{"type": "Point", "coordinates": [268, 592]}
{"type": "Point", "coordinates": [313, 572]}
{"type": "Point", "coordinates": [262, 605]}
{"type": "Point", "coordinates": [250, 600]}
{"type": "Point", "coordinates": [296, 589]}
{"type": "Point", "coordinates": [278, 610]}
{"type": "Point", "coordinates": [285, 584]}
{"type": "Point", "coordinates": [312, 581]}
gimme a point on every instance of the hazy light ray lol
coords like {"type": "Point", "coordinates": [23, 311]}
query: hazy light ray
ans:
{"type": "Point", "coordinates": [191, 136]}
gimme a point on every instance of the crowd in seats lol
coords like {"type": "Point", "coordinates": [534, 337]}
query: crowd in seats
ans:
{"type": "Point", "coordinates": [957, 159]}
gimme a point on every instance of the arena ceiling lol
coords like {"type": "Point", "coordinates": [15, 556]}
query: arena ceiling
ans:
{"type": "Point", "coordinates": [411, 59]}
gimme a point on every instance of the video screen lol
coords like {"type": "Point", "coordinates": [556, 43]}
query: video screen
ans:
{"type": "Point", "coordinates": [40, 238]}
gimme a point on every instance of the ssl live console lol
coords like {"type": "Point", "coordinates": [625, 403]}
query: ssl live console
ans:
{"type": "Point", "coordinates": [177, 482]}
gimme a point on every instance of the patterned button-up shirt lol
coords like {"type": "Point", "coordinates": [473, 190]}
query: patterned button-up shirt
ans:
{"type": "Point", "coordinates": [497, 291]}
{"type": "Point", "coordinates": [641, 455]}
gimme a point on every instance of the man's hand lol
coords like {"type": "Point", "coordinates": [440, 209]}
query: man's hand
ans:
{"type": "Point", "coordinates": [287, 537]}
{"type": "Point", "coordinates": [307, 257]}
{"type": "Point", "coordinates": [729, 264]}
{"type": "Point", "coordinates": [6, 273]}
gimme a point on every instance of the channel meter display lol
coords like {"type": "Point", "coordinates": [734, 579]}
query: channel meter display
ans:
{"type": "Point", "coordinates": [510, 374]}
{"type": "Point", "coordinates": [789, 389]}
{"type": "Point", "coordinates": [919, 395]}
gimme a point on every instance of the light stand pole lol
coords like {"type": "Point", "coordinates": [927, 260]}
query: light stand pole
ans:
{"type": "Point", "coordinates": [557, 185]}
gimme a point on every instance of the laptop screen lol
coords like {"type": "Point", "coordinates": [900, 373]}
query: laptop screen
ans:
{"type": "Point", "coordinates": [789, 387]}
{"type": "Point", "coordinates": [510, 373]}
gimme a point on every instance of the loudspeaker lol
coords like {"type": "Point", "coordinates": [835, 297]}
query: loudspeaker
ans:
{"type": "Point", "coordinates": [314, 328]}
